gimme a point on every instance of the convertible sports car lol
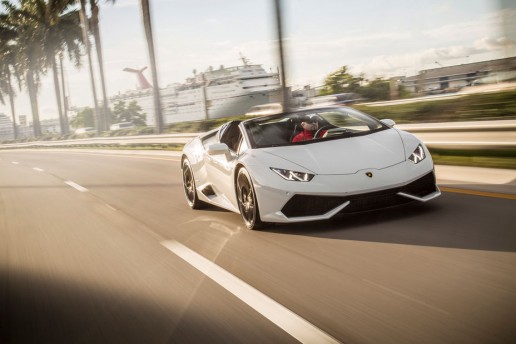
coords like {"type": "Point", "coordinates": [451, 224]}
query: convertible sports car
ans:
{"type": "Point", "coordinates": [343, 161]}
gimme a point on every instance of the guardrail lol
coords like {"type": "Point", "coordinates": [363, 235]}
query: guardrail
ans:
{"type": "Point", "coordinates": [465, 135]}
{"type": "Point", "coordinates": [454, 135]}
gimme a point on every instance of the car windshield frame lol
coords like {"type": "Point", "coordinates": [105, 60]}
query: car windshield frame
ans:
{"type": "Point", "coordinates": [335, 123]}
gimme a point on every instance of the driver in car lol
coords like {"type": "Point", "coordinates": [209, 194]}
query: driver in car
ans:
{"type": "Point", "coordinates": [310, 126]}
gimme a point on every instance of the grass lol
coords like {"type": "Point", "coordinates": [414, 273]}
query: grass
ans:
{"type": "Point", "coordinates": [492, 158]}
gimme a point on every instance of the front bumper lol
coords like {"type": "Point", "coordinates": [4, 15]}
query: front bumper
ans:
{"type": "Point", "coordinates": [330, 195]}
{"type": "Point", "coordinates": [421, 189]}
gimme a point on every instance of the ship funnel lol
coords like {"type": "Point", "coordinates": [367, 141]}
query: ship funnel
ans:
{"type": "Point", "coordinates": [142, 81]}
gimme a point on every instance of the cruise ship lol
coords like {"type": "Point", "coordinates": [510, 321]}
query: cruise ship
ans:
{"type": "Point", "coordinates": [215, 93]}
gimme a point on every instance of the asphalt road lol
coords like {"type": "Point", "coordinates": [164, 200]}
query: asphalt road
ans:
{"type": "Point", "coordinates": [101, 248]}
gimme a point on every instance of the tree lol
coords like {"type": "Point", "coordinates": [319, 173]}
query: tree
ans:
{"type": "Point", "coordinates": [84, 119]}
{"type": "Point", "coordinates": [8, 67]}
{"type": "Point", "coordinates": [147, 24]}
{"type": "Point", "coordinates": [86, 38]}
{"type": "Point", "coordinates": [30, 55]}
{"type": "Point", "coordinates": [130, 113]}
{"type": "Point", "coordinates": [98, 47]}
{"type": "Point", "coordinates": [63, 33]}
{"type": "Point", "coordinates": [44, 29]}
{"type": "Point", "coordinates": [378, 89]}
{"type": "Point", "coordinates": [341, 81]}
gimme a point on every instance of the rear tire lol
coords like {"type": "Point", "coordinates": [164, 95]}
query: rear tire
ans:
{"type": "Point", "coordinates": [189, 186]}
{"type": "Point", "coordinates": [246, 198]}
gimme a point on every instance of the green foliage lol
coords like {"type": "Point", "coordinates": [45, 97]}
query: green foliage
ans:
{"type": "Point", "coordinates": [378, 89]}
{"type": "Point", "coordinates": [40, 30]}
{"type": "Point", "coordinates": [131, 112]}
{"type": "Point", "coordinates": [341, 81]}
{"type": "Point", "coordinates": [83, 119]}
{"type": "Point", "coordinates": [493, 158]}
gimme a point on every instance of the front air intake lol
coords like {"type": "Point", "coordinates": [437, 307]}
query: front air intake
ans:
{"type": "Point", "coordinates": [313, 205]}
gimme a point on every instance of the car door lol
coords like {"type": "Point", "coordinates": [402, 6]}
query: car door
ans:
{"type": "Point", "coordinates": [220, 166]}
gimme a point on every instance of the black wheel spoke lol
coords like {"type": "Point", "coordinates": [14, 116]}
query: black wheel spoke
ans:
{"type": "Point", "coordinates": [246, 200]}
{"type": "Point", "coordinates": [189, 186]}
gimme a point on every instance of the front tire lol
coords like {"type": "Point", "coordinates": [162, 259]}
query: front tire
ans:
{"type": "Point", "coordinates": [189, 186]}
{"type": "Point", "coordinates": [247, 203]}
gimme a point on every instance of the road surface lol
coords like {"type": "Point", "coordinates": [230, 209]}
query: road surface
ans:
{"type": "Point", "coordinates": [102, 248]}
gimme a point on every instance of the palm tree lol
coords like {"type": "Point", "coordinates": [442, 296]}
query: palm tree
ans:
{"type": "Point", "coordinates": [44, 30]}
{"type": "Point", "coordinates": [86, 38]}
{"type": "Point", "coordinates": [62, 32]}
{"type": "Point", "coordinates": [7, 68]}
{"type": "Point", "coordinates": [30, 54]}
{"type": "Point", "coordinates": [94, 21]}
{"type": "Point", "coordinates": [150, 46]}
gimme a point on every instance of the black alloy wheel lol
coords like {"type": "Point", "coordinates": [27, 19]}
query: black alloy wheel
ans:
{"type": "Point", "coordinates": [189, 186]}
{"type": "Point", "coordinates": [247, 200]}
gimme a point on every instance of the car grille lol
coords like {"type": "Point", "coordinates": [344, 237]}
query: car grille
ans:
{"type": "Point", "coordinates": [310, 205]}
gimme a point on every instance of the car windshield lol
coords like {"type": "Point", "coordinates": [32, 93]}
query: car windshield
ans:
{"type": "Point", "coordinates": [310, 126]}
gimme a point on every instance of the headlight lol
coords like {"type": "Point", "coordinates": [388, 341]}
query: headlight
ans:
{"type": "Point", "coordinates": [418, 155]}
{"type": "Point", "coordinates": [293, 175]}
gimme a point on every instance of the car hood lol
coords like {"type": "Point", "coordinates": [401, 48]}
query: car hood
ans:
{"type": "Point", "coordinates": [346, 155]}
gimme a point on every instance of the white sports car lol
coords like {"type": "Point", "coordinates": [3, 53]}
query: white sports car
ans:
{"type": "Point", "coordinates": [306, 165]}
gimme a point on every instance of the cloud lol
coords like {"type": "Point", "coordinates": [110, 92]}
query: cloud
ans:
{"type": "Point", "coordinates": [457, 30]}
{"type": "Point", "coordinates": [500, 43]}
{"type": "Point", "coordinates": [402, 64]}
{"type": "Point", "coordinates": [352, 39]}
{"type": "Point", "coordinates": [214, 21]}
{"type": "Point", "coordinates": [487, 25]}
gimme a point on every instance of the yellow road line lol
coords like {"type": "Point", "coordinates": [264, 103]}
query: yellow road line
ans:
{"type": "Point", "coordinates": [478, 193]}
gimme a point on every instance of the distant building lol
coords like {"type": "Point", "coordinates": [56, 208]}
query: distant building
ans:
{"type": "Point", "coordinates": [23, 120]}
{"type": "Point", "coordinates": [6, 128]}
{"type": "Point", "coordinates": [453, 78]}
{"type": "Point", "coordinates": [25, 131]}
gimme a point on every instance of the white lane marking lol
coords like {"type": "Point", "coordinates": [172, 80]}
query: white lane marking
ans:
{"type": "Point", "coordinates": [38, 169]}
{"type": "Point", "coordinates": [281, 316]}
{"type": "Point", "coordinates": [15, 162]}
{"type": "Point", "coordinates": [111, 207]}
{"type": "Point", "coordinates": [76, 186]}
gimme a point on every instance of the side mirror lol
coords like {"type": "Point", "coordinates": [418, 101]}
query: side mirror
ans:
{"type": "Point", "coordinates": [388, 122]}
{"type": "Point", "coordinates": [219, 148]}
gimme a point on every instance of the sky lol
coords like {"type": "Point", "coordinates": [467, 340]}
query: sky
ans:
{"type": "Point", "coordinates": [375, 37]}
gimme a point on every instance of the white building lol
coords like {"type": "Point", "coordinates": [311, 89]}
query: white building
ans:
{"type": "Point", "coordinates": [6, 128]}
{"type": "Point", "coordinates": [453, 78]}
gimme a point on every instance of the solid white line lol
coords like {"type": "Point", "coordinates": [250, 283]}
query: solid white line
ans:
{"type": "Point", "coordinates": [38, 169]}
{"type": "Point", "coordinates": [282, 317]}
{"type": "Point", "coordinates": [76, 186]}
{"type": "Point", "coordinates": [111, 207]}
